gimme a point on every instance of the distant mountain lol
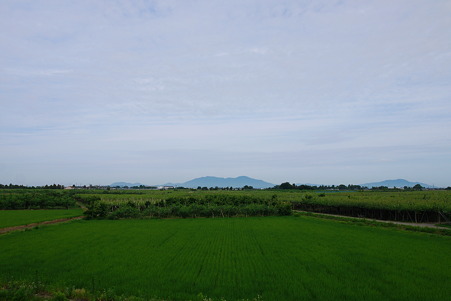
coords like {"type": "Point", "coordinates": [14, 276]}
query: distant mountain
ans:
{"type": "Point", "coordinates": [395, 183]}
{"type": "Point", "coordinates": [123, 184]}
{"type": "Point", "coordinates": [237, 182]}
{"type": "Point", "coordinates": [308, 184]}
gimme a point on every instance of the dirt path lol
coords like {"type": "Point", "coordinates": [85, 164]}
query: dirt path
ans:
{"type": "Point", "coordinates": [425, 225]}
{"type": "Point", "coordinates": [29, 226]}
{"type": "Point", "coordinates": [82, 206]}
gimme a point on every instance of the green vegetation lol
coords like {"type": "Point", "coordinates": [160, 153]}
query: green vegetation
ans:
{"type": "Point", "coordinates": [411, 206]}
{"type": "Point", "coordinates": [277, 258]}
{"type": "Point", "coordinates": [10, 218]}
{"type": "Point", "coordinates": [396, 200]}
{"type": "Point", "coordinates": [259, 258]}
{"type": "Point", "coordinates": [200, 206]}
{"type": "Point", "coordinates": [441, 229]}
{"type": "Point", "coordinates": [38, 291]}
{"type": "Point", "coordinates": [15, 186]}
{"type": "Point", "coordinates": [424, 206]}
{"type": "Point", "coordinates": [35, 199]}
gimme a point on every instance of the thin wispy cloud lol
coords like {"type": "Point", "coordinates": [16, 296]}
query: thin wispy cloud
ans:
{"type": "Point", "coordinates": [304, 91]}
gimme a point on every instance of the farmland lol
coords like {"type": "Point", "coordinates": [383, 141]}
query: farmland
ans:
{"type": "Point", "coordinates": [410, 206]}
{"type": "Point", "coordinates": [432, 200]}
{"type": "Point", "coordinates": [415, 207]}
{"type": "Point", "coordinates": [415, 200]}
{"type": "Point", "coordinates": [9, 218]}
{"type": "Point", "coordinates": [260, 253]}
{"type": "Point", "coordinates": [277, 258]}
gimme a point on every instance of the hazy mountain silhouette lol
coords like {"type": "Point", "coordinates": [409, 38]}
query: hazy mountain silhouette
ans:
{"type": "Point", "coordinates": [123, 184]}
{"type": "Point", "coordinates": [237, 182]}
{"type": "Point", "coordinates": [400, 183]}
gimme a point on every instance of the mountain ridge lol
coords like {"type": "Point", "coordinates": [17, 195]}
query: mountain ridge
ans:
{"type": "Point", "coordinates": [241, 181]}
{"type": "Point", "coordinates": [124, 184]}
{"type": "Point", "coordinates": [400, 183]}
{"type": "Point", "coordinates": [211, 181]}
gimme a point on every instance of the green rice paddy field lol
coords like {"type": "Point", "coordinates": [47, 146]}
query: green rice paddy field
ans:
{"type": "Point", "coordinates": [10, 218]}
{"type": "Point", "coordinates": [277, 258]}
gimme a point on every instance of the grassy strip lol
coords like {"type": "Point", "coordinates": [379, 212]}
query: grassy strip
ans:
{"type": "Point", "coordinates": [38, 291]}
{"type": "Point", "coordinates": [11, 218]}
{"type": "Point", "coordinates": [374, 223]}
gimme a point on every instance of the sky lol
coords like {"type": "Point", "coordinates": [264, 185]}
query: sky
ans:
{"type": "Point", "coordinates": [323, 92]}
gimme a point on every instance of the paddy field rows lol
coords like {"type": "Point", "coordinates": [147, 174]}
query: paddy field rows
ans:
{"type": "Point", "coordinates": [276, 258]}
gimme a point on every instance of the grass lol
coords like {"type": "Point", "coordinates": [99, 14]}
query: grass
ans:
{"type": "Point", "coordinates": [376, 223]}
{"type": "Point", "coordinates": [277, 258]}
{"type": "Point", "coordinates": [10, 218]}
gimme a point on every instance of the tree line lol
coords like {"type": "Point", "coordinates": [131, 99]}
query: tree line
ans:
{"type": "Point", "coordinates": [208, 206]}
{"type": "Point", "coordinates": [15, 186]}
{"type": "Point", "coordinates": [287, 185]}
{"type": "Point", "coordinates": [36, 199]}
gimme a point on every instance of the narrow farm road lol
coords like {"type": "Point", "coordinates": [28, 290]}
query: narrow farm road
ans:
{"type": "Point", "coordinates": [425, 225]}
{"type": "Point", "coordinates": [82, 206]}
{"type": "Point", "coordinates": [29, 226]}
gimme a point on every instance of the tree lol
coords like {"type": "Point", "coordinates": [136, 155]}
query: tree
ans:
{"type": "Point", "coordinates": [286, 185]}
{"type": "Point", "coordinates": [342, 187]}
{"type": "Point", "coordinates": [417, 187]}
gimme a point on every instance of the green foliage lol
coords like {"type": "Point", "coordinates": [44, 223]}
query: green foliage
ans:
{"type": "Point", "coordinates": [35, 199]}
{"type": "Point", "coordinates": [417, 187]}
{"type": "Point", "coordinates": [398, 200]}
{"type": "Point", "coordinates": [126, 211]}
{"type": "Point", "coordinates": [408, 206]}
{"type": "Point", "coordinates": [286, 185]}
{"type": "Point", "coordinates": [97, 210]}
{"type": "Point", "coordinates": [26, 291]}
{"type": "Point", "coordinates": [59, 296]}
{"type": "Point", "coordinates": [369, 222]}
{"type": "Point", "coordinates": [407, 200]}
{"type": "Point", "coordinates": [19, 290]}
{"type": "Point", "coordinates": [87, 199]}
{"type": "Point", "coordinates": [277, 258]}
{"type": "Point", "coordinates": [218, 205]}
{"type": "Point", "coordinates": [200, 203]}
{"type": "Point", "coordinates": [14, 186]}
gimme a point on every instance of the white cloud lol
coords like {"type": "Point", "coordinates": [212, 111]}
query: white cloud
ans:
{"type": "Point", "coordinates": [319, 80]}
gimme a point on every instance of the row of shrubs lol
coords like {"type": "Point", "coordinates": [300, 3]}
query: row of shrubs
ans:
{"type": "Point", "coordinates": [219, 199]}
{"type": "Point", "coordinates": [224, 206]}
{"type": "Point", "coordinates": [38, 291]}
{"type": "Point", "coordinates": [36, 200]}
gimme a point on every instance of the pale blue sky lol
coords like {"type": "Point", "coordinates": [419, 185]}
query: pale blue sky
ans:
{"type": "Point", "coordinates": [93, 92]}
